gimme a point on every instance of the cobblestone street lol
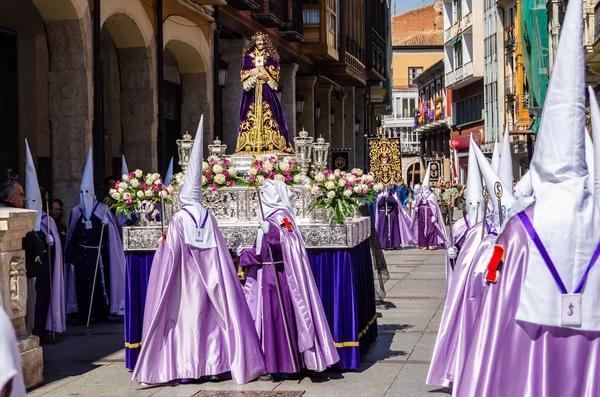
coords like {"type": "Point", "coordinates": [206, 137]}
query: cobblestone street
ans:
{"type": "Point", "coordinates": [91, 363]}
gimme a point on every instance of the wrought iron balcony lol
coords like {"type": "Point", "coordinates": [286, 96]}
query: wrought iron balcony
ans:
{"type": "Point", "coordinates": [293, 30]}
{"type": "Point", "coordinates": [244, 4]}
{"type": "Point", "coordinates": [270, 13]}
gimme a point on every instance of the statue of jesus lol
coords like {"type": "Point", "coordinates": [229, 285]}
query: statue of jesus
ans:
{"type": "Point", "coordinates": [262, 127]}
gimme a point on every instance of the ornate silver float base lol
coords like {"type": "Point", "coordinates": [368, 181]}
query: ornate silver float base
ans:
{"type": "Point", "coordinates": [315, 235]}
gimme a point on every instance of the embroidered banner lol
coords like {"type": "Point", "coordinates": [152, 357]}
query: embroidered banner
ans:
{"type": "Point", "coordinates": [385, 160]}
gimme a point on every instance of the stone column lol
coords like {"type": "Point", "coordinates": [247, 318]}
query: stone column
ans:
{"type": "Point", "coordinates": [139, 107]}
{"type": "Point", "coordinates": [14, 224]}
{"type": "Point", "coordinates": [349, 121]}
{"type": "Point", "coordinates": [70, 102]}
{"type": "Point", "coordinates": [197, 101]}
{"type": "Point", "coordinates": [324, 120]}
{"type": "Point", "coordinates": [306, 120]}
{"type": "Point", "coordinates": [337, 129]}
{"type": "Point", "coordinates": [231, 52]}
{"type": "Point", "coordinates": [287, 82]}
{"type": "Point", "coordinates": [360, 153]}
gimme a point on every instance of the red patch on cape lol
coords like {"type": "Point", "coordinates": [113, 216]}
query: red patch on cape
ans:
{"type": "Point", "coordinates": [495, 265]}
{"type": "Point", "coordinates": [287, 224]}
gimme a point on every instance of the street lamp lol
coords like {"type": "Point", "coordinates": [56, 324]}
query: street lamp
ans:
{"type": "Point", "coordinates": [223, 67]}
{"type": "Point", "coordinates": [299, 103]}
{"type": "Point", "coordinates": [356, 125]}
{"type": "Point", "coordinates": [318, 111]}
{"type": "Point", "coordinates": [332, 116]}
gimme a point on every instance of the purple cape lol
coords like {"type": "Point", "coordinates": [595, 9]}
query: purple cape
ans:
{"type": "Point", "coordinates": [510, 358]}
{"type": "Point", "coordinates": [196, 320]}
{"type": "Point", "coordinates": [58, 284]}
{"type": "Point", "coordinates": [400, 233]}
{"type": "Point", "coordinates": [116, 258]}
{"type": "Point", "coordinates": [274, 129]}
{"type": "Point", "coordinates": [428, 234]}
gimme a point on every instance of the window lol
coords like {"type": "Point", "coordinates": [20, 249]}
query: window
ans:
{"type": "Point", "coordinates": [458, 55]}
{"type": "Point", "coordinates": [412, 73]}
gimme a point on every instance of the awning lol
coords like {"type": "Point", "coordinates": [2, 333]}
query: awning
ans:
{"type": "Point", "coordinates": [462, 142]}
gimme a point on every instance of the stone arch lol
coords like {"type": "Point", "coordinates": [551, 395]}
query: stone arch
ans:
{"type": "Point", "coordinates": [127, 22]}
{"type": "Point", "coordinates": [131, 31]}
{"type": "Point", "coordinates": [188, 44]}
{"type": "Point", "coordinates": [70, 92]}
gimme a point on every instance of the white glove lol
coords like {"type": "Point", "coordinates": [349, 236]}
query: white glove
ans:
{"type": "Point", "coordinates": [433, 219]}
{"type": "Point", "coordinates": [239, 250]}
{"type": "Point", "coordinates": [49, 240]}
{"type": "Point", "coordinates": [452, 252]}
{"type": "Point", "coordinates": [105, 220]}
{"type": "Point", "coordinates": [264, 226]}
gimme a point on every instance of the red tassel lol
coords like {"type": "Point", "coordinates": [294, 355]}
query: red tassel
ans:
{"type": "Point", "coordinates": [495, 265]}
{"type": "Point", "coordinates": [164, 236]}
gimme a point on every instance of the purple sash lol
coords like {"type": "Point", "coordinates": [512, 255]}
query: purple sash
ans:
{"type": "Point", "coordinates": [540, 246]}
{"type": "Point", "coordinates": [194, 219]}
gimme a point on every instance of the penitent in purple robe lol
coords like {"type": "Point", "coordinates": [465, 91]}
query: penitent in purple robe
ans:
{"type": "Point", "coordinates": [393, 226]}
{"type": "Point", "coordinates": [274, 136]}
{"type": "Point", "coordinates": [511, 358]}
{"type": "Point", "coordinates": [196, 320]}
{"type": "Point", "coordinates": [427, 232]}
{"type": "Point", "coordinates": [311, 338]}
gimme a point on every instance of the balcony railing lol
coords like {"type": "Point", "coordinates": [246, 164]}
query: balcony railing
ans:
{"type": "Point", "coordinates": [293, 30]}
{"type": "Point", "coordinates": [270, 13]}
{"type": "Point", "coordinates": [466, 22]}
{"type": "Point", "coordinates": [459, 74]}
{"type": "Point", "coordinates": [411, 148]}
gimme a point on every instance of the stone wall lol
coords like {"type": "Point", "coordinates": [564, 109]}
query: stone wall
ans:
{"type": "Point", "coordinates": [14, 224]}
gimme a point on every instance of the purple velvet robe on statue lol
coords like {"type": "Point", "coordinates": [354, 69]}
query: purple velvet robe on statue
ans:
{"type": "Point", "coordinates": [427, 232]}
{"type": "Point", "coordinates": [393, 230]}
{"type": "Point", "coordinates": [196, 321]}
{"type": "Point", "coordinates": [312, 338]}
{"type": "Point", "coordinates": [274, 137]}
{"type": "Point", "coordinates": [510, 358]}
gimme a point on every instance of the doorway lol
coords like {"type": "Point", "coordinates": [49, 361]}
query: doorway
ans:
{"type": "Point", "coordinates": [9, 108]}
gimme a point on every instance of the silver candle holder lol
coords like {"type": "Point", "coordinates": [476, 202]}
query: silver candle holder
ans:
{"type": "Point", "coordinates": [321, 150]}
{"type": "Point", "coordinates": [184, 148]}
{"type": "Point", "coordinates": [304, 145]}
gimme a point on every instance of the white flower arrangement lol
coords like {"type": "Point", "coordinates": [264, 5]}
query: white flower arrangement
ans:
{"type": "Point", "coordinates": [136, 188]}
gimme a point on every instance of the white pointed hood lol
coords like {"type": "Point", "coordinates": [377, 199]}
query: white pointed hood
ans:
{"type": "Point", "coordinates": [191, 192]}
{"type": "Point", "coordinates": [87, 194]}
{"type": "Point", "coordinates": [474, 203]}
{"type": "Point", "coordinates": [505, 170]}
{"type": "Point", "coordinates": [169, 174]}
{"type": "Point", "coordinates": [124, 168]}
{"type": "Point", "coordinates": [274, 195]}
{"type": "Point", "coordinates": [199, 231]}
{"type": "Point", "coordinates": [493, 182]}
{"type": "Point", "coordinates": [425, 186]}
{"type": "Point", "coordinates": [496, 157]}
{"type": "Point", "coordinates": [565, 216]}
{"type": "Point", "coordinates": [32, 188]}
{"type": "Point", "coordinates": [594, 170]}
{"type": "Point", "coordinates": [523, 188]}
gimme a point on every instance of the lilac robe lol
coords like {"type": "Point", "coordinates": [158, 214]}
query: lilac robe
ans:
{"type": "Point", "coordinates": [115, 257]}
{"type": "Point", "coordinates": [428, 234]}
{"type": "Point", "coordinates": [58, 283]}
{"type": "Point", "coordinates": [396, 225]}
{"type": "Point", "coordinates": [443, 351]}
{"type": "Point", "coordinates": [459, 232]}
{"type": "Point", "coordinates": [313, 337]}
{"type": "Point", "coordinates": [196, 320]}
{"type": "Point", "coordinates": [510, 358]}
{"type": "Point", "coordinates": [274, 128]}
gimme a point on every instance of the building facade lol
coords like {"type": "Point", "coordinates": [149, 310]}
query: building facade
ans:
{"type": "Point", "coordinates": [132, 76]}
{"type": "Point", "coordinates": [464, 68]}
{"type": "Point", "coordinates": [432, 119]}
{"type": "Point", "coordinates": [417, 44]}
